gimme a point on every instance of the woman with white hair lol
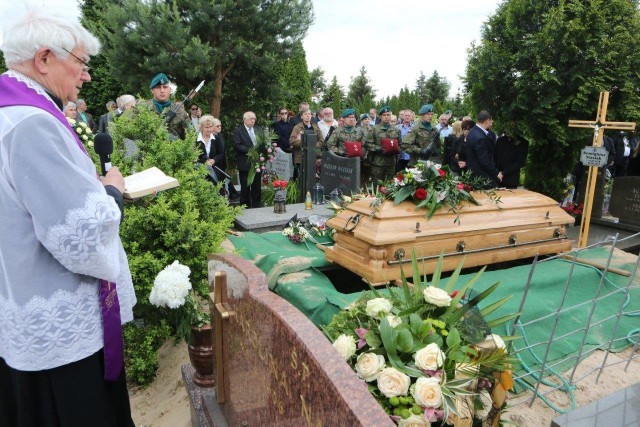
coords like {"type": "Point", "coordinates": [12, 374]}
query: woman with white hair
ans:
{"type": "Point", "coordinates": [212, 153]}
{"type": "Point", "coordinates": [71, 110]}
{"type": "Point", "coordinates": [66, 288]}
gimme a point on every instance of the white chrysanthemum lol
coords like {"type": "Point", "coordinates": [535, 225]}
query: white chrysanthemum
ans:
{"type": "Point", "coordinates": [171, 286]}
{"type": "Point", "coordinates": [179, 267]}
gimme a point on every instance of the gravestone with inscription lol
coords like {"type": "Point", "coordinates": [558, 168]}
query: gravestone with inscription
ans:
{"type": "Point", "coordinates": [342, 173]}
{"type": "Point", "coordinates": [308, 168]}
{"type": "Point", "coordinates": [282, 165]}
{"type": "Point", "coordinates": [625, 200]}
{"type": "Point", "coordinates": [273, 366]}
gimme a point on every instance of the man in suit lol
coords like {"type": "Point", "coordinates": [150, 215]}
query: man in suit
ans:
{"type": "Point", "coordinates": [83, 116]}
{"type": "Point", "coordinates": [480, 151]}
{"type": "Point", "coordinates": [244, 139]}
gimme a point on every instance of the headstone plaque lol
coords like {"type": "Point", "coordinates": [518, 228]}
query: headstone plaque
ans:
{"type": "Point", "coordinates": [278, 369]}
{"type": "Point", "coordinates": [625, 199]}
{"type": "Point", "coordinates": [339, 172]}
{"type": "Point", "coordinates": [594, 156]}
{"type": "Point", "coordinates": [282, 165]}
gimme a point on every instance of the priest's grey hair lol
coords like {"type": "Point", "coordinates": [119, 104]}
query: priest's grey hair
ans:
{"type": "Point", "coordinates": [27, 29]}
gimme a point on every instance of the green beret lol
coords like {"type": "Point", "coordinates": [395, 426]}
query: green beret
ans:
{"type": "Point", "coordinates": [427, 108]}
{"type": "Point", "coordinates": [159, 79]}
{"type": "Point", "coordinates": [384, 109]}
{"type": "Point", "coordinates": [348, 112]}
{"type": "Point", "coordinates": [364, 116]}
{"type": "Point", "coordinates": [448, 112]}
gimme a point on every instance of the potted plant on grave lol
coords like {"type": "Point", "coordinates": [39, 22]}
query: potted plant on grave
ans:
{"type": "Point", "coordinates": [426, 352]}
{"type": "Point", "coordinates": [280, 196]}
{"type": "Point", "coordinates": [172, 290]}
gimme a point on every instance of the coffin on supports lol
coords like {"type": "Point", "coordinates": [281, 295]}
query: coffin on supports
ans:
{"type": "Point", "coordinates": [376, 244]}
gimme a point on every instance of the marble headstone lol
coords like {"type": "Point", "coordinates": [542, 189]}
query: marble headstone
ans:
{"type": "Point", "coordinates": [625, 199]}
{"type": "Point", "coordinates": [339, 172]}
{"type": "Point", "coordinates": [279, 369]}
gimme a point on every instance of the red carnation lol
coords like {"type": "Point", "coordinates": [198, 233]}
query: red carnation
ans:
{"type": "Point", "coordinates": [420, 194]}
{"type": "Point", "coordinates": [442, 172]}
{"type": "Point", "coordinates": [400, 177]}
{"type": "Point", "coordinates": [453, 294]}
{"type": "Point", "coordinates": [460, 186]}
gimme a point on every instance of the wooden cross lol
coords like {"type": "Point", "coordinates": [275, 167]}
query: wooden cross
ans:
{"type": "Point", "coordinates": [221, 312]}
{"type": "Point", "coordinates": [599, 124]}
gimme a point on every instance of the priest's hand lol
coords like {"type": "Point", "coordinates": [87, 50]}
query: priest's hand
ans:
{"type": "Point", "coordinates": [114, 178]}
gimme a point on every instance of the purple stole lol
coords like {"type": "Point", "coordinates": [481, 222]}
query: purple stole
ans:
{"type": "Point", "coordinates": [15, 92]}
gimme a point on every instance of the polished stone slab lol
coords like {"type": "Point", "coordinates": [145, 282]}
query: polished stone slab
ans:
{"type": "Point", "coordinates": [264, 218]}
{"type": "Point", "coordinates": [621, 408]}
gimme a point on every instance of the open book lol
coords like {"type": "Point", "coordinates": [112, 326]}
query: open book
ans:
{"type": "Point", "coordinates": [147, 182]}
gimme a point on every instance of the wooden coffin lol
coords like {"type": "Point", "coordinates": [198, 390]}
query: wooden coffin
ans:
{"type": "Point", "coordinates": [376, 246]}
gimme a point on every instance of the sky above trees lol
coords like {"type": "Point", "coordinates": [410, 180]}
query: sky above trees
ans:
{"type": "Point", "coordinates": [419, 36]}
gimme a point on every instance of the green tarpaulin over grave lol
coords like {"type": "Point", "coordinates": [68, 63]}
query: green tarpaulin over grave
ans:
{"type": "Point", "coordinates": [292, 273]}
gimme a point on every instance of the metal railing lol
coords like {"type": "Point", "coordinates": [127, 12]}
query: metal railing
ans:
{"type": "Point", "coordinates": [537, 379]}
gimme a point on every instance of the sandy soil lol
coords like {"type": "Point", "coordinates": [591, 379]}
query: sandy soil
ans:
{"type": "Point", "coordinates": [165, 402]}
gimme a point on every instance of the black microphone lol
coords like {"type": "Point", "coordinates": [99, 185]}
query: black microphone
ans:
{"type": "Point", "coordinates": [103, 145]}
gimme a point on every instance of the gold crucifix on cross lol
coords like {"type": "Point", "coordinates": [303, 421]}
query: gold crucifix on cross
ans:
{"type": "Point", "coordinates": [598, 126]}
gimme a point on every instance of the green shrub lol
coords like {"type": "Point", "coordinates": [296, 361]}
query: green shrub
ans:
{"type": "Point", "coordinates": [185, 223]}
{"type": "Point", "coordinates": [141, 351]}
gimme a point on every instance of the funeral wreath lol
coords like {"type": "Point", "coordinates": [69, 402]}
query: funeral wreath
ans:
{"type": "Point", "coordinates": [261, 153]}
{"type": "Point", "coordinates": [426, 352]}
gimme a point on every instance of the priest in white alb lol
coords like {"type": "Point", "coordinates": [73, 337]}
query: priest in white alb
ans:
{"type": "Point", "coordinates": [65, 285]}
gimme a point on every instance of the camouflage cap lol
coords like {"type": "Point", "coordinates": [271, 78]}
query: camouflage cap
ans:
{"type": "Point", "coordinates": [427, 108]}
{"type": "Point", "coordinates": [159, 79]}
{"type": "Point", "coordinates": [385, 109]}
{"type": "Point", "coordinates": [348, 112]}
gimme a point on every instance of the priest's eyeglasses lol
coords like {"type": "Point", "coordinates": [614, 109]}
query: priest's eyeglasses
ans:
{"type": "Point", "coordinates": [86, 67]}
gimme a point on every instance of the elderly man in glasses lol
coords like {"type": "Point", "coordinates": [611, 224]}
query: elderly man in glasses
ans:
{"type": "Point", "coordinates": [66, 288]}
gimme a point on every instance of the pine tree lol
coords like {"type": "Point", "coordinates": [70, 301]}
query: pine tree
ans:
{"type": "Point", "coordinates": [295, 78]}
{"type": "Point", "coordinates": [360, 95]}
{"type": "Point", "coordinates": [334, 97]}
{"type": "Point", "coordinates": [318, 82]}
{"type": "Point", "coordinates": [230, 44]}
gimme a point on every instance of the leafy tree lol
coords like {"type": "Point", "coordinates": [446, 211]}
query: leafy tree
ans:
{"type": "Point", "coordinates": [540, 64]}
{"type": "Point", "coordinates": [334, 97]}
{"type": "Point", "coordinates": [222, 41]}
{"type": "Point", "coordinates": [360, 95]}
{"type": "Point", "coordinates": [3, 66]}
{"type": "Point", "coordinates": [318, 82]}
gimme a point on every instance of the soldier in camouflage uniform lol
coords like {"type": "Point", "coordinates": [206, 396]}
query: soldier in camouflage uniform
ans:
{"type": "Point", "coordinates": [382, 165]}
{"type": "Point", "coordinates": [175, 117]}
{"type": "Point", "coordinates": [345, 132]}
{"type": "Point", "coordinates": [423, 141]}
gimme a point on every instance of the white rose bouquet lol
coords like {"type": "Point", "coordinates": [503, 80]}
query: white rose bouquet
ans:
{"type": "Point", "coordinates": [172, 289]}
{"type": "Point", "coordinates": [83, 131]}
{"type": "Point", "coordinates": [426, 353]}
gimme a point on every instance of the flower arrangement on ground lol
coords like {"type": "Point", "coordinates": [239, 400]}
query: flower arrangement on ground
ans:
{"type": "Point", "coordinates": [432, 186]}
{"type": "Point", "coordinates": [261, 153]}
{"type": "Point", "coordinates": [573, 209]}
{"type": "Point", "coordinates": [83, 131]}
{"type": "Point", "coordinates": [172, 289]}
{"type": "Point", "coordinates": [427, 354]}
{"type": "Point", "coordinates": [296, 232]}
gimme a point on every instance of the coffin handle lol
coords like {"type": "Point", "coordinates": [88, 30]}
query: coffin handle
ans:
{"type": "Point", "coordinates": [355, 220]}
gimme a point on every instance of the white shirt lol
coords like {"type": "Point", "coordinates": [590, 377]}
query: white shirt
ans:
{"type": "Point", "coordinates": [59, 233]}
{"type": "Point", "coordinates": [207, 144]}
{"type": "Point", "coordinates": [324, 127]}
